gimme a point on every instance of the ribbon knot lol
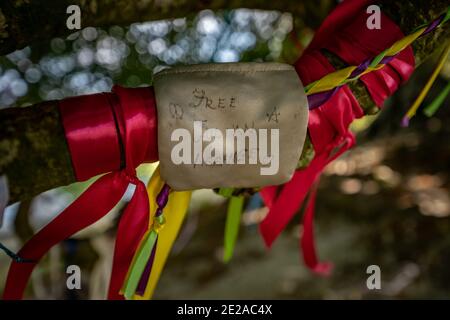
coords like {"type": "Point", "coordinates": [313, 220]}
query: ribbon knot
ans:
{"type": "Point", "coordinates": [108, 132]}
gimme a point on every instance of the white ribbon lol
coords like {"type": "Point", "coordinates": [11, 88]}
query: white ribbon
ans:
{"type": "Point", "coordinates": [4, 196]}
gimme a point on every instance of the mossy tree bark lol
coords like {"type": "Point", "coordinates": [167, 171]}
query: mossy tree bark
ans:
{"type": "Point", "coordinates": [33, 150]}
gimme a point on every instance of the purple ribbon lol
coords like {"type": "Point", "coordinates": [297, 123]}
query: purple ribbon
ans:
{"type": "Point", "coordinates": [317, 99]}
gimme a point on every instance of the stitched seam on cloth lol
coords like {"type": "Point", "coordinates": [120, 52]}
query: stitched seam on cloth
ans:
{"type": "Point", "coordinates": [245, 68]}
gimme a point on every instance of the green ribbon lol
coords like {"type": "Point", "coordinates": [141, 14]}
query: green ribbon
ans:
{"type": "Point", "coordinates": [431, 109]}
{"type": "Point", "coordinates": [139, 264]}
{"type": "Point", "coordinates": [447, 16]}
{"type": "Point", "coordinates": [232, 224]}
{"type": "Point", "coordinates": [226, 192]}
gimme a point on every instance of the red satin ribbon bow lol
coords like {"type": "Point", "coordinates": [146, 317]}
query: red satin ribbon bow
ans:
{"type": "Point", "coordinates": [102, 131]}
{"type": "Point", "coordinates": [344, 33]}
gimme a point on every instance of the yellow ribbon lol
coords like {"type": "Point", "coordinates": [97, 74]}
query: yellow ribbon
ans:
{"type": "Point", "coordinates": [330, 81]}
{"type": "Point", "coordinates": [342, 76]}
{"type": "Point", "coordinates": [174, 212]}
{"type": "Point", "coordinates": [443, 57]}
{"type": "Point", "coordinates": [404, 42]}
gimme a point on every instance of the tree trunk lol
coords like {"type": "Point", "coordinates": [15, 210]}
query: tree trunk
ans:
{"type": "Point", "coordinates": [33, 150]}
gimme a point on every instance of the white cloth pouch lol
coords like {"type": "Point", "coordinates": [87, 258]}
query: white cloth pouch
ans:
{"type": "Point", "coordinates": [229, 125]}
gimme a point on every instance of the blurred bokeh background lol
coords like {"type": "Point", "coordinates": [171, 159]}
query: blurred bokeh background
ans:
{"type": "Point", "coordinates": [385, 202]}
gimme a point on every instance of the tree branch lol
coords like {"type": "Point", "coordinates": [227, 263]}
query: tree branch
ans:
{"type": "Point", "coordinates": [27, 22]}
{"type": "Point", "coordinates": [33, 150]}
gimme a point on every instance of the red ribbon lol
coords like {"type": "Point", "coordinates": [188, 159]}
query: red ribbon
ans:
{"type": "Point", "coordinates": [100, 130]}
{"type": "Point", "coordinates": [106, 130]}
{"type": "Point", "coordinates": [344, 32]}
